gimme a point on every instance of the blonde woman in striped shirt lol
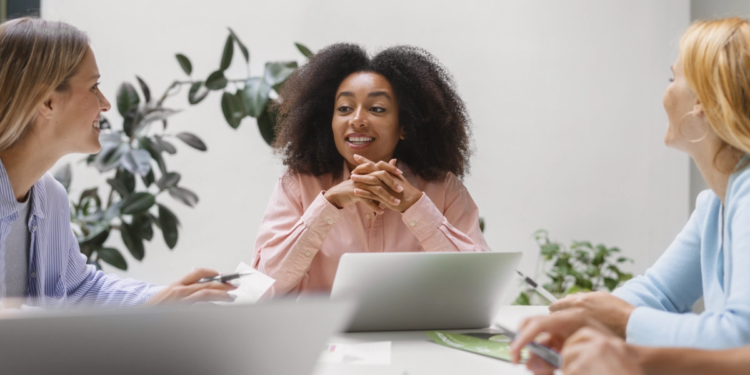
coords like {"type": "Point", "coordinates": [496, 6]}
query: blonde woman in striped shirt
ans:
{"type": "Point", "coordinates": [50, 106]}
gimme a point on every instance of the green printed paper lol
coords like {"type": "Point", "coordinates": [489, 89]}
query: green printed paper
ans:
{"type": "Point", "coordinates": [496, 346]}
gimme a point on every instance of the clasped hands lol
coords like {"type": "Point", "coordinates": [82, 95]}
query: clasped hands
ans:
{"type": "Point", "coordinates": [378, 185]}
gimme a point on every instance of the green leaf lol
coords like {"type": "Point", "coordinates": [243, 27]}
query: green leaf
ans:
{"type": "Point", "coordinates": [137, 203]}
{"type": "Point", "coordinates": [522, 300]}
{"type": "Point", "coordinates": [624, 259]}
{"type": "Point", "coordinates": [550, 249]}
{"type": "Point", "coordinates": [216, 81]}
{"type": "Point", "coordinates": [93, 194]}
{"type": "Point", "coordinates": [255, 96]}
{"type": "Point", "coordinates": [165, 145]}
{"type": "Point", "coordinates": [183, 195]}
{"type": "Point", "coordinates": [481, 224]}
{"type": "Point", "coordinates": [131, 241]}
{"type": "Point", "coordinates": [198, 92]}
{"type": "Point", "coordinates": [127, 179]}
{"type": "Point", "coordinates": [131, 121]}
{"type": "Point", "coordinates": [127, 98]}
{"type": "Point", "coordinates": [141, 226]}
{"type": "Point", "coordinates": [109, 158]}
{"type": "Point", "coordinates": [267, 126]}
{"type": "Point", "coordinates": [226, 56]}
{"type": "Point", "coordinates": [185, 64]}
{"type": "Point", "coordinates": [192, 140]}
{"type": "Point", "coordinates": [168, 180]}
{"type": "Point", "coordinates": [168, 224]}
{"type": "Point", "coordinates": [149, 178]}
{"type": "Point", "coordinates": [232, 109]}
{"type": "Point", "coordinates": [113, 257]}
{"type": "Point", "coordinates": [64, 175]}
{"type": "Point", "coordinates": [278, 72]}
{"type": "Point", "coordinates": [155, 151]}
{"type": "Point", "coordinates": [243, 49]}
{"type": "Point", "coordinates": [137, 161]}
{"type": "Point", "coordinates": [610, 283]}
{"type": "Point", "coordinates": [119, 187]}
{"type": "Point", "coordinates": [144, 89]}
{"type": "Point", "coordinates": [304, 50]}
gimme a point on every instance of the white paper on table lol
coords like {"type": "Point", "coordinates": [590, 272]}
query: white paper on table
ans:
{"type": "Point", "coordinates": [369, 353]}
{"type": "Point", "coordinates": [251, 287]}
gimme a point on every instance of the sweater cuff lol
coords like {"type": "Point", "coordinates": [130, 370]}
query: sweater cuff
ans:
{"type": "Point", "coordinates": [423, 218]}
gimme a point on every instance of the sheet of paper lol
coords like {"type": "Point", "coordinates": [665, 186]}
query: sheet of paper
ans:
{"type": "Point", "coordinates": [369, 353]}
{"type": "Point", "coordinates": [250, 288]}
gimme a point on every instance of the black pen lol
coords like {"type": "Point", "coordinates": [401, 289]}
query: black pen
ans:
{"type": "Point", "coordinates": [225, 278]}
{"type": "Point", "coordinates": [538, 288]}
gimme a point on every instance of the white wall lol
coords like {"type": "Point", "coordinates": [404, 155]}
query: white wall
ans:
{"type": "Point", "coordinates": [565, 99]}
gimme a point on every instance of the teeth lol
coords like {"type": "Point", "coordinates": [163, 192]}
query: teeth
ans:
{"type": "Point", "coordinates": [360, 139]}
{"type": "Point", "coordinates": [96, 124]}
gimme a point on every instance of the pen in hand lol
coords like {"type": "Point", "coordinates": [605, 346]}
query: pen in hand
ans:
{"type": "Point", "coordinates": [225, 278]}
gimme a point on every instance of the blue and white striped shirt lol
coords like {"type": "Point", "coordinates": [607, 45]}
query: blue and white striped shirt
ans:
{"type": "Point", "coordinates": [58, 275]}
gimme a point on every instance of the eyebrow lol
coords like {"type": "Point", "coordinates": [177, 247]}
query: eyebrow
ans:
{"type": "Point", "coordinates": [378, 93]}
{"type": "Point", "coordinates": [373, 94]}
{"type": "Point", "coordinates": [96, 76]}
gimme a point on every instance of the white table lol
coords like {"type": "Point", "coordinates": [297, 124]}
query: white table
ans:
{"type": "Point", "coordinates": [413, 353]}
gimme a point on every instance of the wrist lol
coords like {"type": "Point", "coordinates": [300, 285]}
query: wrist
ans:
{"type": "Point", "coordinates": [331, 198]}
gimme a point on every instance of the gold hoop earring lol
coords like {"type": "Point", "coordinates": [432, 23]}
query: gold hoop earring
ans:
{"type": "Point", "coordinates": [708, 129]}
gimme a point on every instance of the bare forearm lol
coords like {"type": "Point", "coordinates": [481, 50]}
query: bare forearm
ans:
{"type": "Point", "coordinates": [692, 361]}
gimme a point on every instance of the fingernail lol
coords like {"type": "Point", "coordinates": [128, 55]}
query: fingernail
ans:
{"type": "Point", "coordinates": [399, 188]}
{"type": "Point", "coordinates": [357, 191]}
{"type": "Point", "coordinates": [399, 171]}
{"type": "Point", "coordinates": [381, 212]}
{"type": "Point", "coordinates": [356, 156]}
{"type": "Point", "coordinates": [396, 201]}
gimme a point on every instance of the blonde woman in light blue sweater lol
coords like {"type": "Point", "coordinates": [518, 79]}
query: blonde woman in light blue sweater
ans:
{"type": "Point", "coordinates": [708, 106]}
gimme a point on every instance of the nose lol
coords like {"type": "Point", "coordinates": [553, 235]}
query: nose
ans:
{"type": "Point", "coordinates": [358, 120]}
{"type": "Point", "coordinates": [104, 104]}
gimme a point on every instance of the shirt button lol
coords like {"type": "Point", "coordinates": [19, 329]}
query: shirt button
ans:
{"type": "Point", "coordinates": [413, 223]}
{"type": "Point", "coordinates": [33, 274]}
{"type": "Point", "coordinates": [307, 253]}
{"type": "Point", "coordinates": [330, 221]}
{"type": "Point", "coordinates": [368, 216]}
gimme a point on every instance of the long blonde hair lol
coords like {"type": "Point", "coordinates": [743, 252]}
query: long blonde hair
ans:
{"type": "Point", "coordinates": [715, 57]}
{"type": "Point", "coordinates": [36, 58]}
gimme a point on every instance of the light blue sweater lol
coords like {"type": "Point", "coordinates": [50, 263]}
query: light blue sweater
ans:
{"type": "Point", "coordinates": [704, 260]}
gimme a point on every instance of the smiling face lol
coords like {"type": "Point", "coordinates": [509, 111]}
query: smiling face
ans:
{"type": "Point", "coordinates": [365, 118]}
{"type": "Point", "coordinates": [74, 112]}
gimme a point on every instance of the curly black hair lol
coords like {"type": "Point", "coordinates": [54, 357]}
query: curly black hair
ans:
{"type": "Point", "coordinates": [436, 126]}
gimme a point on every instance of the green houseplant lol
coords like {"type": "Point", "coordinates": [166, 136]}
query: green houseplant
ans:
{"type": "Point", "coordinates": [581, 267]}
{"type": "Point", "coordinates": [133, 156]}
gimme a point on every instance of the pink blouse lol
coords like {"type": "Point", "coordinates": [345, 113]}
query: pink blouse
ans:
{"type": "Point", "coordinates": [302, 235]}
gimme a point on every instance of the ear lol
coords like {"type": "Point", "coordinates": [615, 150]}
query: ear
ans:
{"type": "Point", "coordinates": [402, 133]}
{"type": "Point", "coordinates": [48, 106]}
{"type": "Point", "coordinates": [698, 109]}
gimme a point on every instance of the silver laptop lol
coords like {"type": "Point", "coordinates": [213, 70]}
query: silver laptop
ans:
{"type": "Point", "coordinates": [269, 338]}
{"type": "Point", "coordinates": [421, 291]}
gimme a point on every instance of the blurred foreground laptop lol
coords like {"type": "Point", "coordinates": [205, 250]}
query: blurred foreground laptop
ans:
{"type": "Point", "coordinates": [421, 291]}
{"type": "Point", "coordinates": [269, 338]}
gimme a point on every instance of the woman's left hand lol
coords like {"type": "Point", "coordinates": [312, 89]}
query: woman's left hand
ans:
{"type": "Point", "coordinates": [385, 176]}
{"type": "Point", "coordinates": [604, 307]}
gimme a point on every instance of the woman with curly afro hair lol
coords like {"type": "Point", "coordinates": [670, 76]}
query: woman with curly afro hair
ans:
{"type": "Point", "coordinates": [374, 149]}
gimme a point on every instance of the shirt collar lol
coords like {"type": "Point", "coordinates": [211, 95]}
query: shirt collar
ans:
{"type": "Point", "coordinates": [8, 202]}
